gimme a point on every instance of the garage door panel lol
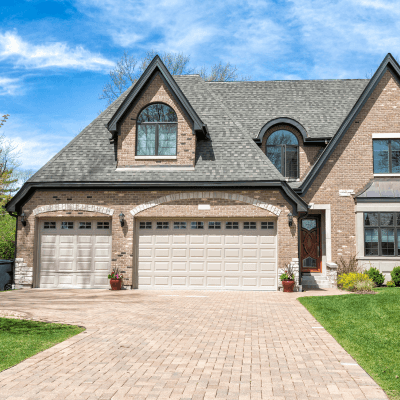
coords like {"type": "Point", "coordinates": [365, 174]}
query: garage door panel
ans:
{"type": "Point", "coordinates": [250, 239]}
{"type": "Point", "coordinates": [178, 281]}
{"type": "Point", "coordinates": [208, 259]}
{"type": "Point", "coordinates": [66, 266]}
{"type": "Point", "coordinates": [232, 253]}
{"type": "Point", "coordinates": [66, 239]}
{"type": "Point", "coordinates": [196, 266]}
{"type": "Point", "coordinates": [214, 240]}
{"type": "Point", "coordinates": [250, 253]}
{"type": "Point", "coordinates": [179, 266]}
{"type": "Point", "coordinates": [49, 239]}
{"type": "Point", "coordinates": [82, 266]}
{"type": "Point", "coordinates": [48, 252]}
{"type": "Point", "coordinates": [74, 258]}
{"type": "Point", "coordinates": [215, 266]}
{"type": "Point", "coordinates": [267, 253]}
{"type": "Point", "coordinates": [161, 266]}
{"type": "Point", "coordinates": [179, 239]}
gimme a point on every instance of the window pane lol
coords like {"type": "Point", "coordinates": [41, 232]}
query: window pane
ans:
{"type": "Point", "coordinates": [162, 225]}
{"type": "Point", "coordinates": [282, 137]}
{"type": "Point", "coordinates": [146, 140]}
{"type": "Point", "coordinates": [381, 156]}
{"type": "Point", "coordinates": [85, 225]}
{"type": "Point", "coordinates": [387, 219]}
{"type": "Point", "coordinates": [49, 225]}
{"type": "Point", "coordinates": [267, 225]}
{"type": "Point", "coordinates": [67, 225]}
{"type": "Point", "coordinates": [398, 242]}
{"type": "Point", "coordinates": [274, 153]}
{"type": "Point", "coordinates": [371, 242]}
{"type": "Point", "coordinates": [157, 113]}
{"type": "Point", "coordinates": [145, 225]}
{"type": "Point", "coordinates": [371, 219]}
{"type": "Point", "coordinates": [395, 156]}
{"type": "Point", "coordinates": [214, 225]}
{"type": "Point", "coordinates": [197, 225]}
{"type": "Point", "coordinates": [180, 225]}
{"type": "Point", "coordinates": [387, 239]}
{"type": "Point", "coordinates": [250, 225]}
{"type": "Point", "coordinates": [232, 225]}
{"type": "Point", "coordinates": [291, 162]}
{"type": "Point", "coordinates": [167, 140]}
{"type": "Point", "coordinates": [103, 225]}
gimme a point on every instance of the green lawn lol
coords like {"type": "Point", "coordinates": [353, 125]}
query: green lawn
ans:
{"type": "Point", "coordinates": [368, 327]}
{"type": "Point", "coordinates": [20, 339]}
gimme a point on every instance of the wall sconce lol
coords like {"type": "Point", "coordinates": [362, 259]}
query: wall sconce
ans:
{"type": "Point", "coordinates": [23, 219]}
{"type": "Point", "coordinates": [121, 218]}
{"type": "Point", "coordinates": [290, 219]}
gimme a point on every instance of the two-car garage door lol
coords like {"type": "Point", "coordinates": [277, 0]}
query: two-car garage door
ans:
{"type": "Point", "coordinates": [207, 254]}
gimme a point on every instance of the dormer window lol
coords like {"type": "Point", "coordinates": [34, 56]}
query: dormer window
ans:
{"type": "Point", "coordinates": [157, 127]}
{"type": "Point", "coordinates": [282, 148]}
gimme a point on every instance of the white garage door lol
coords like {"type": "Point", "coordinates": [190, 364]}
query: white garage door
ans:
{"type": "Point", "coordinates": [205, 254]}
{"type": "Point", "coordinates": [74, 253]}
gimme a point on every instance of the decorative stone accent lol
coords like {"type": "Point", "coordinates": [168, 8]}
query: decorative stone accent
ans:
{"type": "Point", "coordinates": [331, 273]}
{"type": "Point", "coordinates": [73, 207]}
{"type": "Point", "coordinates": [23, 275]}
{"type": "Point", "coordinates": [206, 195]}
{"type": "Point", "coordinates": [296, 269]}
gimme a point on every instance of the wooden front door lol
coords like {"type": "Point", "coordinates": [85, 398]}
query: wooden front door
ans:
{"type": "Point", "coordinates": [310, 244]}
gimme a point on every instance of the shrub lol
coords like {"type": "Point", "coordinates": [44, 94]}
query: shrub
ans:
{"type": "Point", "coordinates": [390, 284]}
{"type": "Point", "coordinates": [396, 276]}
{"type": "Point", "coordinates": [347, 266]}
{"type": "Point", "coordinates": [376, 276]}
{"type": "Point", "coordinates": [7, 237]}
{"type": "Point", "coordinates": [348, 281]}
{"type": "Point", "coordinates": [364, 286]}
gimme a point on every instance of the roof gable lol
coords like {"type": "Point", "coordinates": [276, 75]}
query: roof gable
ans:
{"type": "Point", "coordinates": [388, 64]}
{"type": "Point", "coordinates": [156, 67]}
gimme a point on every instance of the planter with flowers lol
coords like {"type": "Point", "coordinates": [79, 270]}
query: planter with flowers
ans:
{"type": "Point", "coordinates": [287, 279]}
{"type": "Point", "coordinates": [115, 280]}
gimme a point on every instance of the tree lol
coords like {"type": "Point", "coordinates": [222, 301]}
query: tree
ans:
{"type": "Point", "coordinates": [11, 177]}
{"type": "Point", "coordinates": [129, 69]}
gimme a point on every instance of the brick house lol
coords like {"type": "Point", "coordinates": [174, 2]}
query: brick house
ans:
{"type": "Point", "coordinates": [182, 183]}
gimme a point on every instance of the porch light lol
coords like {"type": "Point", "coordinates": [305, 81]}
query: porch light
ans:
{"type": "Point", "coordinates": [23, 219]}
{"type": "Point", "coordinates": [121, 218]}
{"type": "Point", "coordinates": [290, 219]}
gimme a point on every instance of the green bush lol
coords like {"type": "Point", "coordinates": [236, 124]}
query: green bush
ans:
{"type": "Point", "coordinates": [390, 284]}
{"type": "Point", "coordinates": [396, 276]}
{"type": "Point", "coordinates": [376, 276]}
{"type": "Point", "coordinates": [348, 281]}
{"type": "Point", "coordinates": [7, 237]}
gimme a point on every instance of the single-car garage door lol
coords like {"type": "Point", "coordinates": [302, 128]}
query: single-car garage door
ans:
{"type": "Point", "coordinates": [207, 254]}
{"type": "Point", "coordinates": [74, 253]}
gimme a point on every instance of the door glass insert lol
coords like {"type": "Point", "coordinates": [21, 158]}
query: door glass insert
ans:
{"type": "Point", "coordinates": [309, 224]}
{"type": "Point", "coordinates": [310, 262]}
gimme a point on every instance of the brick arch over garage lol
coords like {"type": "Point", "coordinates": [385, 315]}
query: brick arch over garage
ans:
{"type": "Point", "coordinates": [73, 207]}
{"type": "Point", "coordinates": [206, 195]}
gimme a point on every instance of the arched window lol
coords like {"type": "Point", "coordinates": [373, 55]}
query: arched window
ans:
{"type": "Point", "coordinates": [282, 149]}
{"type": "Point", "coordinates": [157, 127]}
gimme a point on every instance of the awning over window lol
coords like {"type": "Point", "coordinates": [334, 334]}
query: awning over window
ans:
{"type": "Point", "coordinates": [380, 189]}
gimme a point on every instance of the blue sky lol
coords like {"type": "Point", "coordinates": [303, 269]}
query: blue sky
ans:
{"type": "Point", "coordinates": [55, 55]}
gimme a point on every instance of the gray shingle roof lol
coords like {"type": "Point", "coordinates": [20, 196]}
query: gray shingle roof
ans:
{"type": "Point", "coordinates": [320, 106]}
{"type": "Point", "coordinates": [231, 155]}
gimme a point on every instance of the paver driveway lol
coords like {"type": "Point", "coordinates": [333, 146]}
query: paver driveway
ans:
{"type": "Point", "coordinates": [182, 345]}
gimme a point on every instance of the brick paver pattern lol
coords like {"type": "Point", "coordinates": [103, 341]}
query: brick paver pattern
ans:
{"type": "Point", "coordinates": [183, 345]}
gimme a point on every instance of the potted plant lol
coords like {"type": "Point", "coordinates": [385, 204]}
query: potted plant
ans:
{"type": "Point", "coordinates": [287, 279]}
{"type": "Point", "coordinates": [115, 280]}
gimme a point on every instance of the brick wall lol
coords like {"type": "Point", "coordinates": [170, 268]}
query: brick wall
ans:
{"type": "Point", "coordinates": [124, 201]}
{"type": "Point", "coordinates": [351, 164]}
{"type": "Point", "coordinates": [157, 91]}
{"type": "Point", "coordinates": [307, 154]}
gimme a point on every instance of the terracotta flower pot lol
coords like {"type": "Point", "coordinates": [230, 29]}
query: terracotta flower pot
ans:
{"type": "Point", "coordinates": [115, 284]}
{"type": "Point", "coordinates": [288, 286]}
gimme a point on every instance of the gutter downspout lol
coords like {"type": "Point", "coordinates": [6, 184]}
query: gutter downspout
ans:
{"type": "Point", "coordinates": [299, 233]}
{"type": "Point", "coordinates": [15, 247]}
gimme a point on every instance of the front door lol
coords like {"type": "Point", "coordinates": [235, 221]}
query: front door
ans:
{"type": "Point", "coordinates": [310, 244]}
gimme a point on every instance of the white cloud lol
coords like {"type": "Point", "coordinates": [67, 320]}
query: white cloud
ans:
{"type": "Point", "coordinates": [57, 54]}
{"type": "Point", "coordinates": [9, 86]}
